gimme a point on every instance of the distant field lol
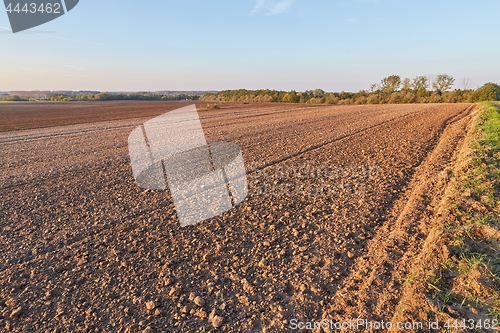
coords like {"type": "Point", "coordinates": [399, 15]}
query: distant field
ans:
{"type": "Point", "coordinates": [25, 115]}
{"type": "Point", "coordinates": [340, 198]}
{"type": "Point", "coordinates": [30, 115]}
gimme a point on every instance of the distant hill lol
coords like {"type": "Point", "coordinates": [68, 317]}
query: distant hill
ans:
{"type": "Point", "coordinates": [45, 93]}
{"type": "Point", "coordinates": [189, 93]}
{"type": "Point", "coordinates": [70, 93]}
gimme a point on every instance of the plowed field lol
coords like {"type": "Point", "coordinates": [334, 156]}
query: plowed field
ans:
{"type": "Point", "coordinates": [338, 204]}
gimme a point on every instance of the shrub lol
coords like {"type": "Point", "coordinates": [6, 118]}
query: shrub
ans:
{"type": "Point", "coordinates": [396, 97]}
{"type": "Point", "coordinates": [373, 99]}
{"type": "Point", "coordinates": [315, 100]}
{"type": "Point", "coordinates": [435, 98]}
{"type": "Point", "coordinates": [361, 100]}
{"type": "Point", "coordinates": [332, 99]}
{"type": "Point", "coordinates": [410, 97]}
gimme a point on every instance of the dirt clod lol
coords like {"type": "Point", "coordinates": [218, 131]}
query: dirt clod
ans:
{"type": "Point", "coordinates": [217, 321]}
{"type": "Point", "coordinates": [150, 305]}
{"type": "Point", "coordinates": [198, 301]}
{"type": "Point", "coordinates": [16, 313]}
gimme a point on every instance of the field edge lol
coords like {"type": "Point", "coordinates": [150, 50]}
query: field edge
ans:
{"type": "Point", "coordinates": [456, 275]}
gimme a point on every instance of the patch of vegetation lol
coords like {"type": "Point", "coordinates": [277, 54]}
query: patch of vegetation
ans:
{"type": "Point", "coordinates": [472, 273]}
{"type": "Point", "coordinates": [209, 107]}
{"type": "Point", "coordinates": [14, 98]}
{"type": "Point", "coordinates": [457, 274]}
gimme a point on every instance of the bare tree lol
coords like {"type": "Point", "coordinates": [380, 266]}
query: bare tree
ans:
{"type": "Point", "coordinates": [467, 83]}
{"type": "Point", "coordinates": [430, 80]}
{"type": "Point", "coordinates": [373, 87]}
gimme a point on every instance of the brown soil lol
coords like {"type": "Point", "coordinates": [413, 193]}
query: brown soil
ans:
{"type": "Point", "coordinates": [28, 115]}
{"type": "Point", "coordinates": [338, 207]}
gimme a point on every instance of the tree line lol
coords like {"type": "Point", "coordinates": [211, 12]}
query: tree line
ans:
{"type": "Point", "coordinates": [139, 96]}
{"type": "Point", "coordinates": [391, 89]}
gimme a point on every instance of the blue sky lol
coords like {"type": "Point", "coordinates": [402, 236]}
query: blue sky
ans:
{"type": "Point", "coordinates": [126, 45]}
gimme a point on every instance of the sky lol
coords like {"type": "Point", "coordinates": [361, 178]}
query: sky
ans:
{"type": "Point", "coordinates": [335, 45]}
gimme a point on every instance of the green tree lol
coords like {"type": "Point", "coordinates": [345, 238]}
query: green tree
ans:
{"type": "Point", "coordinates": [291, 97]}
{"type": "Point", "coordinates": [406, 84]}
{"type": "Point", "coordinates": [443, 83]}
{"type": "Point", "coordinates": [390, 83]}
{"type": "Point", "coordinates": [420, 83]}
{"type": "Point", "coordinates": [488, 92]}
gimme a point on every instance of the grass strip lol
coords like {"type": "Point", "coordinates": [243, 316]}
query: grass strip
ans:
{"type": "Point", "coordinates": [457, 275]}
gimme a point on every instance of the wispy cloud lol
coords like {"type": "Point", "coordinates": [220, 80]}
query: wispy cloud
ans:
{"type": "Point", "coordinates": [46, 34]}
{"type": "Point", "coordinates": [271, 7]}
{"type": "Point", "coordinates": [5, 32]}
{"type": "Point", "coordinates": [280, 7]}
{"type": "Point", "coordinates": [26, 32]}
{"type": "Point", "coordinates": [75, 67]}
{"type": "Point", "coordinates": [352, 20]}
{"type": "Point", "coordinates": [258, 6]}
